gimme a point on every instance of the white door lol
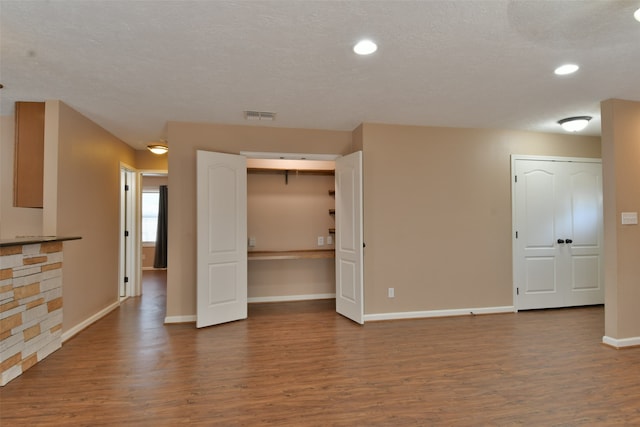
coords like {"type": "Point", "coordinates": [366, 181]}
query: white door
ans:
{"type": "Point", "coordinates": [557, 233]}
{"type": "Point", "coordinates": [127, 277]}
{"type": "Point", "coordinates": [349, 243]}
{"type": "Point", "coordinates": [221, 238]}
{"type": "Point", "coordinates": [584, 248]}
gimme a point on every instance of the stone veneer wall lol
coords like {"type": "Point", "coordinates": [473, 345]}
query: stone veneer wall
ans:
{"type": "Point", "coordinates": [30, 305]}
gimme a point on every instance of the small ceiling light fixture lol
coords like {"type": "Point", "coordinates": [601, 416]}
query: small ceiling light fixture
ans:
{"type": "Point", "coordinates": [158, 148]}
{"type": "Point", "coordinates": [636, 15]}
{"type": "Point", "coordinates": [365, 47]}
{"type": "Point", "coordinates": [574, 124]}
{"type": "Point", "coordinates": [565, 69]}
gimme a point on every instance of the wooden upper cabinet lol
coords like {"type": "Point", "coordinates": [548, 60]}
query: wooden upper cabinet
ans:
{"type": "Point", "coordinates": [29, 155]}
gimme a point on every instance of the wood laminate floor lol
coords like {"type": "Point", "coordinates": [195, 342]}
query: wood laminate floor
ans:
{"type": "Point", "coordinates": [301, 364]}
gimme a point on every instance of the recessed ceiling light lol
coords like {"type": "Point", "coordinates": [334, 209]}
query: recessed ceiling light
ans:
{"type": "Point", "coordinates": [365, 47]}
{"type": "Point", "coordinates": [565, 69]}
{"type": "Point", "coordinates": [637, 15]}
{"type": "Point", "coordinates": [574, 124]}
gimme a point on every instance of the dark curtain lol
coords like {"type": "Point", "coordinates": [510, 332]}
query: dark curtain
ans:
{"type": "Point", "coordinates": [160, 260]}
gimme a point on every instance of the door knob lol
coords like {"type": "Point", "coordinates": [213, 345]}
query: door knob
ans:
{"type": "Point", "coordinates": [560, 241]}
{"type": "Point", "coordinates": [569, 241]}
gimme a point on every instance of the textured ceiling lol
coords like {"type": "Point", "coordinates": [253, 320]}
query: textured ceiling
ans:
{"type": "Point", "coordinates": [131, 66]}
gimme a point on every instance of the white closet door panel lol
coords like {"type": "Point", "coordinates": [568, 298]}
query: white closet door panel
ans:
{"type": "Point", "coordinates": [558, 218]}
{"type": "Point", "coordinates": [585, 251]}
{"type": "Point", "coordinates": [349, 243]}
{"type": "Point", "coordinates": [221, 238]}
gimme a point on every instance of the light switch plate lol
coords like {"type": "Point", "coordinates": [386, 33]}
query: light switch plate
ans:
{"type": "Point", "coordinates": [629, 218]}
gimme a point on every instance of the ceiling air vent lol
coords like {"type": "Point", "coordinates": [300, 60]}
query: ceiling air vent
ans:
{"type": "Point", "coordinates": [259, 115]}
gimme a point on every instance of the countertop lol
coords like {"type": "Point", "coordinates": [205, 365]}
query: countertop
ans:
{"type": "Point", "coordinates": [31, 240]}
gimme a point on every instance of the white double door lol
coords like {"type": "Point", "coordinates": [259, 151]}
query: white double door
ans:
{"type": "Point", "coordinates": [558, 232]}
{"type": "Point", "coordinates": [222, 238]}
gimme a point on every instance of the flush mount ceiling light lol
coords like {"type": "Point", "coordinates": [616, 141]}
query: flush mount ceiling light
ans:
{"type": "Point", "coordinates": [574, 124]}
{"type": "Point", "coordinates": [565, 69]}
{"type": "Point", "coordinates": [637, 15]}
{"type": "Point", "coordinates": [365, 47]}
{"type": "Point", "coordinates": [158, 148]}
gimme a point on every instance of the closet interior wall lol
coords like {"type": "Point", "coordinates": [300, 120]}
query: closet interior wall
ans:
{"type": "Point", "coordinates": [289, 212]}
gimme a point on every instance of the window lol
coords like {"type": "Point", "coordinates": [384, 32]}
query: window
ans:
{"type": "Point", "coordinates": [150, 201]}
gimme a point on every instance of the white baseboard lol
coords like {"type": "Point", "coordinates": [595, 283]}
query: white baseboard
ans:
{"type": "Point", "coordinates": [180, 319]}
{"type": "Point", "coordinates": [622, 342]}
{"type": "Point", "coordinates": [88, 322]}
{"type": "Point", "coordinates": [284, 298]}
{"type": "Point", "coordinates": [438, 313]}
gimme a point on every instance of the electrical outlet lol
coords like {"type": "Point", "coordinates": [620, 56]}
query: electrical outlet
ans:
{"type": "Point", "coordinates": [320, 240]}
{"type": "Point", "coordinates": [329, 240]}
{"type": "Point", "coordinates": [392, 292]}
{"type": "Point", "coordinates": [252, 242]}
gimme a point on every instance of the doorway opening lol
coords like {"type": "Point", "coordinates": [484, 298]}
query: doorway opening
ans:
{"type": "Point", "coordinates": [290, 227]}
{"type": "Point", "coordinates": [150, 215]}
{"type": "Point", "coordinates": [153, 265]}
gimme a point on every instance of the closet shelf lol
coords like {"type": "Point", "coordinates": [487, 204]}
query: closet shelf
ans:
{"type": "Point", "coordinates": [287, 172]}
{"type": "Point", "coordinates": [301, 254]}
{"type": "Point", "coordinates": [291, 171]}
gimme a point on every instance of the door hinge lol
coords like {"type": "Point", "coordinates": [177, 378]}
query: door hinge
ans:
{"type": "Point", "coordinates": [126, 233]}
{"type": "Point", "coordinates": [126, 279]}
{"type": "Point", "coordinates": [126, 187]}
{"type": "Point", "coordinates": [516, 234]}
{"type": "Point", "coordinates": [516, 177]}
{"type": "Point", "coordinates": [517, 291]}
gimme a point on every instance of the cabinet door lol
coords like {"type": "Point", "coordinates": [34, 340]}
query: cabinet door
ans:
{"type": "Point", "coordinates": [29, 155]}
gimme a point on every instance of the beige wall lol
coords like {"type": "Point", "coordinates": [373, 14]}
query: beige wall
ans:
{"type": "Point", "coordinates": [289, 216]}
{"type": "Point", "coordinates": [146, 160]}
{"type": "Point", "coordinates": [148, 256]}
{"type": "Point", "coordinates": [437, 206]}
{"type": "Point", "coordinates": [184, 140]}
{"type": "Point", "coordinates": [153, 182]}
{"type": "Point", "coordinates": [437, 213]}
{"type": "Point", "coordinates": [621, 170]}
{"type": "Point", "coordinates": [13, 221]}
{"type": "Point", "coordinates": [88, 205]}
{"type": "Point", "coordinates": [288, 278]}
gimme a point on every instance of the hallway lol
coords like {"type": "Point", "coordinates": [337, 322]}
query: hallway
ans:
{"type": "Point", "coordinates": [302, 364]}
